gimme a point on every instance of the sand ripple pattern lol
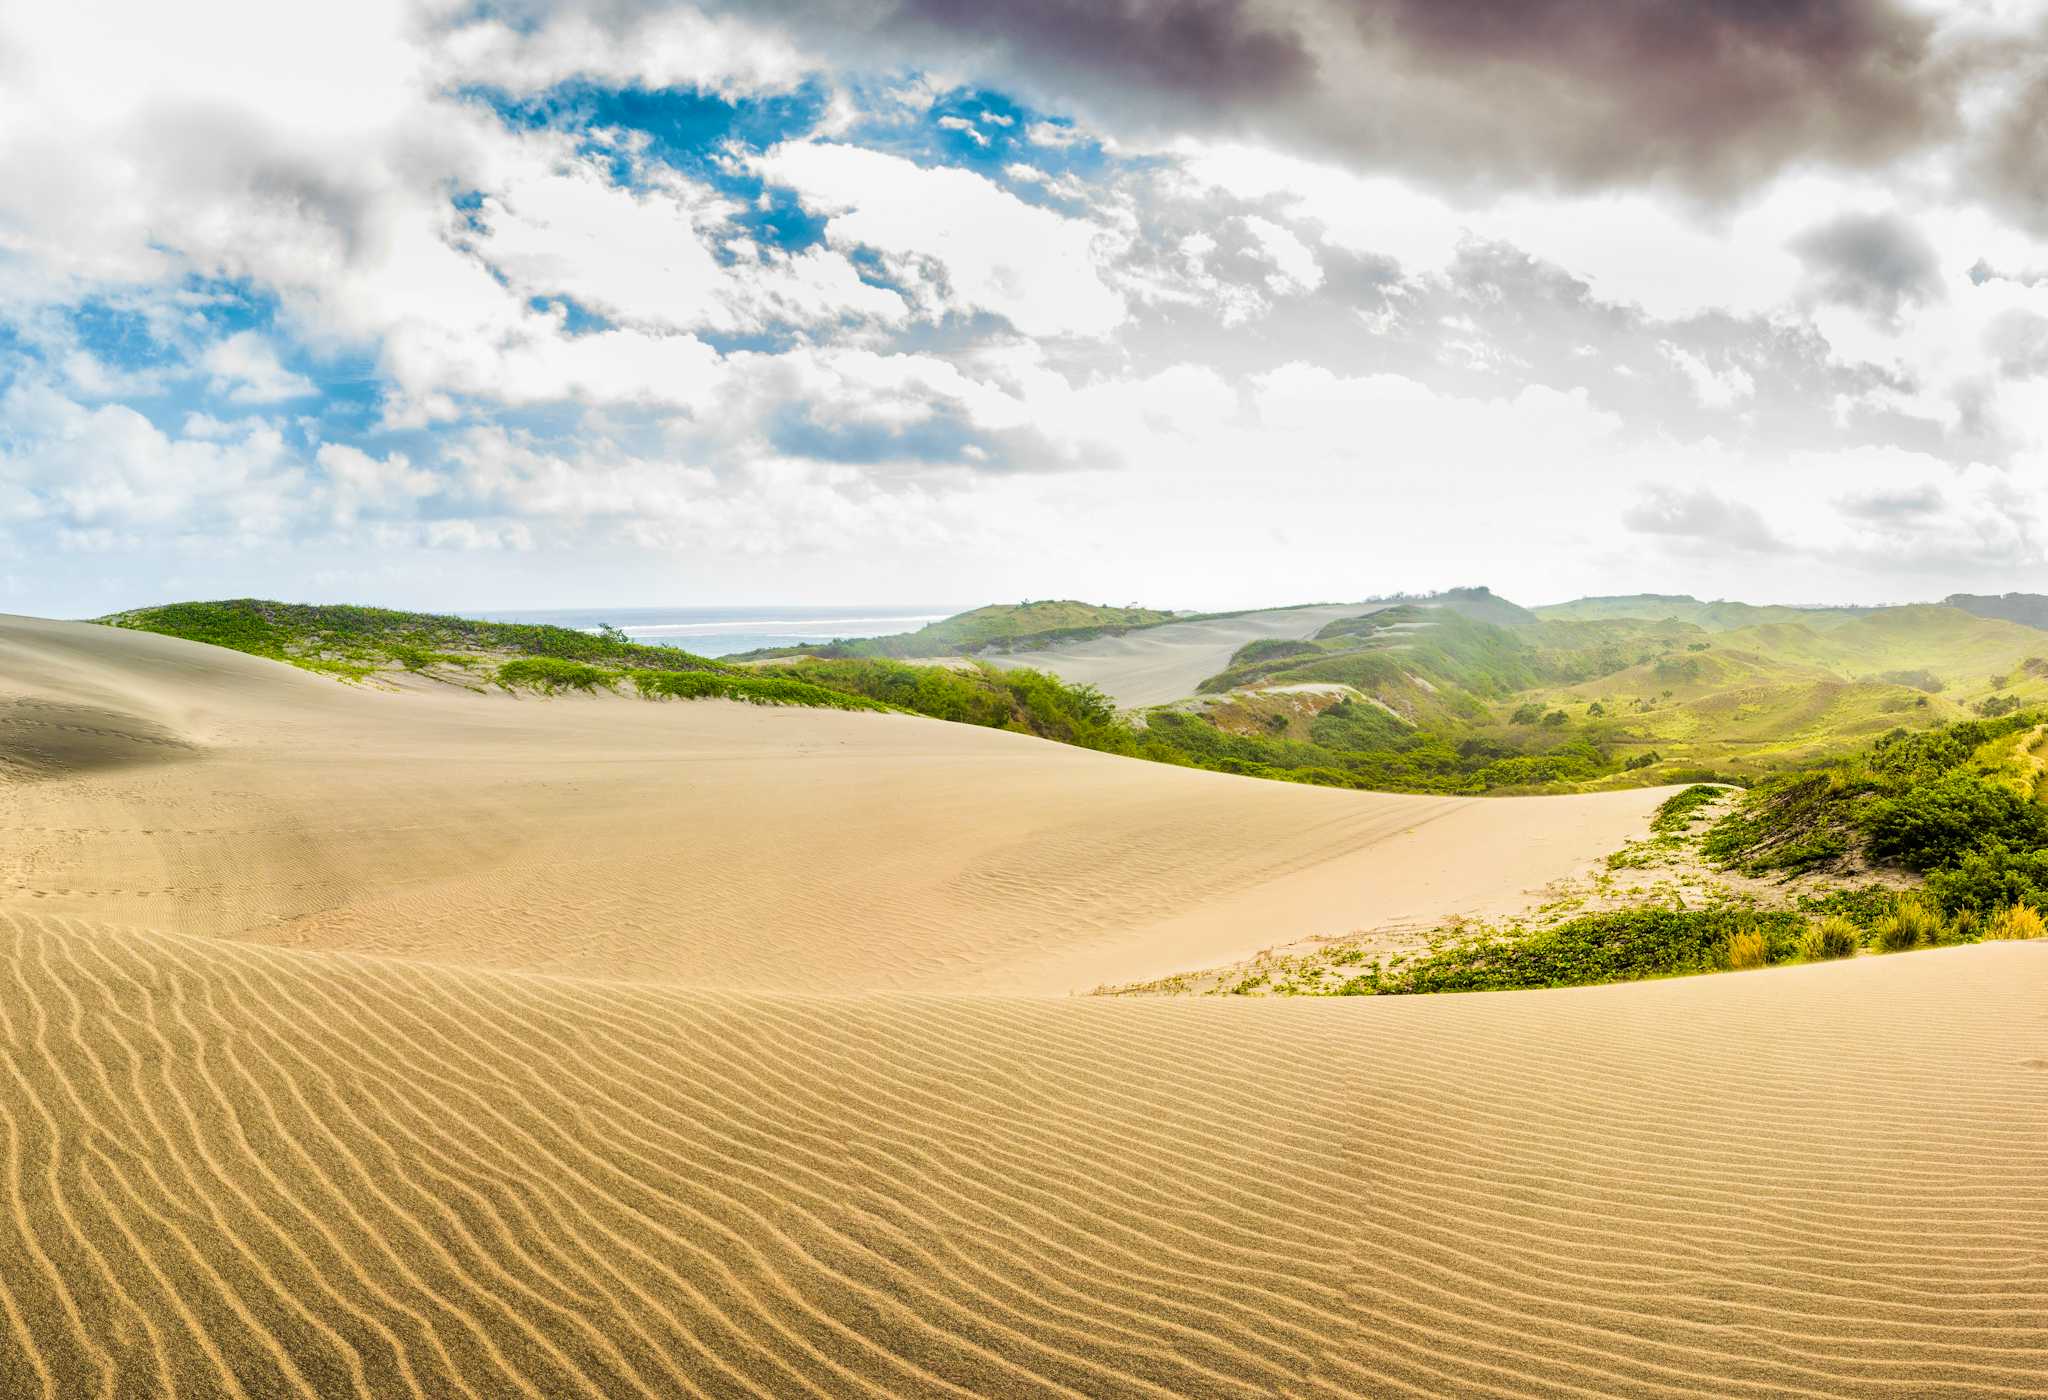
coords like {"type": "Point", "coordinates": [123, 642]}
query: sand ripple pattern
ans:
{"type": "Point", "coordinates": [369, 1045]}
{"type": "Point", "coordinates": [240, 1170]}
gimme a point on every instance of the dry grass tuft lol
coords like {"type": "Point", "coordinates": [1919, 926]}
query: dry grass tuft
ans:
{"type": "Point", "coordinates": [2016, 921]}
{"type": "Point", "coordinates": [1831, 937]}
{"type": "Point", "coordinates": [1911, 925]}
{"type": "Point", "coordinates": [1747, 949]}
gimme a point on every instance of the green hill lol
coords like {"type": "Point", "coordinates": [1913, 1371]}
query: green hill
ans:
{"type": "Point", "coordinates": [1679, 607]}
{"type": "Point", "coordinates": [2028, 609]}
{"type": "Point", "coordinates": [357, 643]}
{"type": "Point", "coordinates": [997, 627]}
{"type": "Point", "coordinates": [1426, 695]}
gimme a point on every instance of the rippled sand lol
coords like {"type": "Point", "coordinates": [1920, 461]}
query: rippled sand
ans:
{"type": "Point", "coordinates": [384, 1044]}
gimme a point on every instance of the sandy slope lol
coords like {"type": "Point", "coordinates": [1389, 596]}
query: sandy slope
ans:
{"type": "Point", "coordinates": [709, 843]}
{"type": "Point", "coordinates": [1158, 664]}
{"type": "Point", "coordinates": [295, 1097]}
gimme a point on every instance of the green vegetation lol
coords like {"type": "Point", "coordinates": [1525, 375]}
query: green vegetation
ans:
{"type": "Point", "coordinates": [1622, 946]}
{"type": "Point", "coordinates": [1910, 925]}
{"type": "Point", "coordinates": [998, 627]}
{"type": "Point", "coordinates": [361, 644]}
{"type": "Point", "coordinates": [357, 642]}
{"type": "Point", "coordinates": [2016, 921]}
{"type": "Point", "coordinates": [1679, 607]}
{"type": "Point", "coordinates": [1679, 811]}
{"type": "Point", "coordinates": [1589, 698]}
{"type": "Point", "coordinates": [1942, 804]}
{"type": "Point", "coordinates": [1026, 701]}
{"type": "Point", "coordinates": [1920, 801]}
{"type": "Point", "coordinates": [1830, 936]}
{"type": "Point", "coordinates": [1458, 692]}
{"type": "Point", "coordinates": [2027, 609]}
{"type": "Point", "coordinates": [551, 675]}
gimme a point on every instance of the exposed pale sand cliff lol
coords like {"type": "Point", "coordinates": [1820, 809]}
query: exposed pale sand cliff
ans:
{"type": "Point", "coordinates": [384, 1044]}
{"type": "Point", "coordinates": [1155, 665]}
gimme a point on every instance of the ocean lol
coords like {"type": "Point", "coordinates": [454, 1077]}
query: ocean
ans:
{"type": "Point", "coordinates": [723, 631]}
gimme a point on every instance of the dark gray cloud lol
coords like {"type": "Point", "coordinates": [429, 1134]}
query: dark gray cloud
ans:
{"type": "Point", "coordinates": [1876, 263]}
{"type": "Point", "coordinates": [2010, 169]}
{"type": "Point", "coordinates": [1207, 51]}
{"type": "Point", "coordinates": [1705, 94]}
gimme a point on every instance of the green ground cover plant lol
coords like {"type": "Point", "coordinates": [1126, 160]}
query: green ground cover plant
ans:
{"type": "Point", "coordinates": [1621, 946]}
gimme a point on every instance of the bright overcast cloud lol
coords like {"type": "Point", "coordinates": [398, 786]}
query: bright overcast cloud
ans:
{"type": "Point", "coordinates": [1189, 302]}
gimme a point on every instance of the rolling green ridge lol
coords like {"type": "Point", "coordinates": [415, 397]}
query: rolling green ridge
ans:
{"type": "Point", "coordinates": [355, 643]}
{"type": "Point", "coordinates": [2031, 609]}
{"type": "Point", "coordinates": [1680, 607]}
{"type": "Point", "coordinates": [1426, 696]}
{"type": "Point", "coordinates": [376, 645]}
{"type": "Point", "coordinates": [999, 626]}
{"type": "Point", "coordinates": [1460, 692]}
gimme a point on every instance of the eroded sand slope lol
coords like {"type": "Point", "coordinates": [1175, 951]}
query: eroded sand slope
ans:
{"type": "Point", "coordinates": [1155, 665]}
{"type": "Point", "coordinates": [540, 1144]}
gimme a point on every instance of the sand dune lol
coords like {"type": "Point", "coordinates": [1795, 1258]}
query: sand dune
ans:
{"type": "Point", "coordinates": [366, 1044]}
{"type": "Point", "coordinates": [1161, 664]}
{"type": "Point", "coordinates": [708, 843]}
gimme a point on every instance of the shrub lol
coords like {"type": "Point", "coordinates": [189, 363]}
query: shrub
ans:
{"type": "Point", "coordinates": [1909, 925]}
{"type": "Point", "coordinates": [1831, 936]}
{"type": "Point", "coordinates": [549, 674]}
{"type": "Point", "coordinates": [1987, 880]}
{"type": "Point", "coordinates": [1862, 905]}
{"type": "Point", "coordinates": [1621, 946]}
{"type": "Point", "coordinates": [2016, 921]}
{"type": "Point", "coordinates": [1746, 949]}
{"type": "Point", "coordinates": [1936, 824]}
{"type": "Point", "coordinates": [765, 689]}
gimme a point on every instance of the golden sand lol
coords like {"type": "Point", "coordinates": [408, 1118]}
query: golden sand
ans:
{"type": "Point", "coordinates": [378, 1044]}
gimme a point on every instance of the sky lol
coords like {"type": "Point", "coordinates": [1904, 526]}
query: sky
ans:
{"type": "Point", "coordinates": [456, 304]}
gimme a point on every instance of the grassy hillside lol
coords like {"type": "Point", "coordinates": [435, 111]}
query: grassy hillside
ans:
{"type": "Point", "coordinates": [356, 643]}
{"type": "Point", "coordinates": [2029, 609]}
{"type": "Point", "coordinates": [1680, 607]}
{"type": "Point", "coordinates": [1959, 806]}
{"type": "Point", "coordinates": [998, 627]}
{"type": "Point", "coordinates": [382, 646]}
{"type": "Point", "coordinates": [1425, 696]}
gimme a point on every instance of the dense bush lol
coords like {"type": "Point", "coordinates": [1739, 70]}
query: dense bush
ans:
{"type": "Point", "coordinates": [1986, 879]}
{"type": "Point", "coordinates": [1932, 825]}
{"type": "Point", "coordinates": [1913, 800]}
{"type": "Point", "coordinates": [1613, 947]}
